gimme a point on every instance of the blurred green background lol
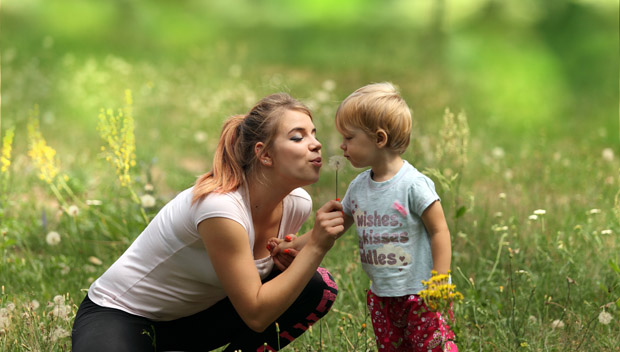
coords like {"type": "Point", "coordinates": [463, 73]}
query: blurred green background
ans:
{"type": "Point", "coordinates": [520, 69]}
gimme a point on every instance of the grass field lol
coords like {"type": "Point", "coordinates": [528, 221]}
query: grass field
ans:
{"type": "Point", "coordinates": [514, 119]}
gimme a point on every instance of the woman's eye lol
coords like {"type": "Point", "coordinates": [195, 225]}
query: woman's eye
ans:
{"type": "Point", "coordinates": [296, 138]}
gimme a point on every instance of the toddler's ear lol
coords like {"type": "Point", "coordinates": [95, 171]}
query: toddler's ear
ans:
{"type": "Point", "coordinates": [382, 138]}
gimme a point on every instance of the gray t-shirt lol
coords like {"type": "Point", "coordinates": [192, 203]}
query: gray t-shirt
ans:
{"type": "Point", "coordinates": [394, 245]}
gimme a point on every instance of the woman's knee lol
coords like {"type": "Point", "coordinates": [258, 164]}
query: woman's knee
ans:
{"type": "Point", "coordinates": [324, 286]}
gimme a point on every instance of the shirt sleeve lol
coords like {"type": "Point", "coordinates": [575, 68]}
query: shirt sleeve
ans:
{"type": "Point", "coordinates": [422, 194]}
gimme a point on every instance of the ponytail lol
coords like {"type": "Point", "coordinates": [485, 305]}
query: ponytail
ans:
{"type": "Point", "coordinates": [235, 158]}
{"type": "Point", "coordinates": [227, 173]}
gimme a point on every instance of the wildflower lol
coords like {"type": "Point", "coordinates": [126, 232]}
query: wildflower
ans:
{"type": "Point", "coordinates": [337, 162]}
{"type": "Point", "coordinates": [43, 155]}
{"type": "Point", "coordinates": [73, 210]}
{"type": "Point", "coordinates": [329, 85]}
{"type": "Point", "coordinates": [606, 232]}
{"type": "Point", "coordinates": [94, 260]}
{"type": "Point", "coordinates": [59, 333]}
{"type": "Point", "coordinates": [118, 132]}
{"type": "Point", "coordinates": [200, 136]}
{"type": "Point", "coordinates": [501, 288]}
{"type": "Point", "coordinates": [594, 211]}
{"type": "Point", "coordinates": [10, 306]}
{"type": "Point", "coordinates": [532, 319]}
{"type": "Point", "coordinates": [148, 187]}
{"type": "Point", "coordinates": [557, 324]}
{"type": "Point", "coordinates": [604, 318]}
{"type": "Point", "coordinates": [533, 217]}
{"type": "Point", "coordinates": [498, 153]}
{"type": "Point", "coordinates": [147, 201]}
{"type": "Point", "coordinates": [34, 304]}
{"type": "Point", "coordinates": [93, 202]}
{"type": "Point", "coordinates": [59, 300]}
{"type": "Point", "coordinates": [540, 212]}
{"type": "Point", "coordinates": [502, 196]}
{"type": "Point", "coordinates": [5, 155]}
{"type": "Point", "coordinates": [608, 154]}
{"type": "Point", "coordinates": [438, 292]}
{"type": "Point", "coordinates": [524, 344]}
{"type": "Point", "coordinates": [454, 139]}
{"type": "Point", "coordinates": [52, 238]}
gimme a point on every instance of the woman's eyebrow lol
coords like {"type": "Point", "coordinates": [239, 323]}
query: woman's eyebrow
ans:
{"type": "Point", "coordinates": [301, 129]}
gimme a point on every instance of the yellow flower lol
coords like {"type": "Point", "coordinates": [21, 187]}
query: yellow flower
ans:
{"type": "Point", "coordinates": [44, 156]}
{"type": "Point", "coordinates": [117, 131]}
{"type": "Point", "coordinates": [5, 155]}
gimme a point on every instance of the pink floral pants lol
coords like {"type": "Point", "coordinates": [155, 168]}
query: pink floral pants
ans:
{"type": "Point", "coordinates": [405, 324]}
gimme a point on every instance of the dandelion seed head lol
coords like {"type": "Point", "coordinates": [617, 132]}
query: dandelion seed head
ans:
{"type": "Point", "coordinates": [94, 260]}
{"type": "Point", "coordinates": [337, 162]}
{"type": "Point", "coordinates": [52, 238]}
{"type": "Point", "coordinates": [502, 196]}
{"type": "Point", "coordinates": [73, 210]}
{"type": "Point", "coordinates": [557, 324]}
{"type": "Point", "coordinates": [608, 154]}
{"type": "Point", "coordinates": [604, 317]}
{"type": "Point", "coordinates": [147, 201]}
{"type": "Point", "coordinates": [59, 299]}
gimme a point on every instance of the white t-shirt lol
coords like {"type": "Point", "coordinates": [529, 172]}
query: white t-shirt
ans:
{"type": "Point", "coordinates": [166, 273]}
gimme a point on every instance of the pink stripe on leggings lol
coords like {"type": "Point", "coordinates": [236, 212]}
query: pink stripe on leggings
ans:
{"type": "Point", "coordinates": [325, 274]}
{"type": "Point", "coordinates": [328, 296]}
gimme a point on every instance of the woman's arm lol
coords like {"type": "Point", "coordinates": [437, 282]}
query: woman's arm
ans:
{"type": "Point", "coordinates": [260, 304]}
{"type": "Point", "coordinates": [441, 245]}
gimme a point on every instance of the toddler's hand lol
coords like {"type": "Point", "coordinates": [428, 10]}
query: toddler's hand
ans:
{"type": "Point", "coordinates": [282, 251]}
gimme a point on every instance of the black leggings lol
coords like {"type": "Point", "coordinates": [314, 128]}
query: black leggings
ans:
{"type": "Point", "coordinates": [98, 328]}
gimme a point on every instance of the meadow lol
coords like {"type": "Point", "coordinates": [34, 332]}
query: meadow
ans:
{"type": "Point", "coordinates": [110, 112]}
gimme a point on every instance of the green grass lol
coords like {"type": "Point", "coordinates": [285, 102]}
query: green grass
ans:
{"type": "Point", "coordinates": [539, 128]}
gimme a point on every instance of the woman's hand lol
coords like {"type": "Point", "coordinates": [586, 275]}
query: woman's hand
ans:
{"type": "Point", "coordinates": [328, 225]}
{"type": "Point", "coordinates": [282, 251]}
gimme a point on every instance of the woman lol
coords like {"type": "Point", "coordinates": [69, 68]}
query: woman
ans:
{"type": "Point", "coordinates": [200, 275]}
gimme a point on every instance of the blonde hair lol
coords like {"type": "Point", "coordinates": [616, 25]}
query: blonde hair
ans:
{"type": "Point", "coordinates": [374, 106]}
{"type": "Point", "coordinates": [234, 157]}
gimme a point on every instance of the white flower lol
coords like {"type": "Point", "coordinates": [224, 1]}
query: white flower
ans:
{"type": "Point", "coordinates": [532, 319]}
{"type": "Point", "coordinates": [498, 214]}
{"type": "Point", "coordinates": [557, 324]}
{"type": "Point", "coordinates": [148, 201]}
{"type": "Point", "coordinates": [608, 154]}
{"type": "Point", "coordinates": [329, 85]}
{"type": "Point", "coordinates": [59, 300]}
{"type": "Point", "coordinates": [52, 238]}
{"type": "Point", "coordinates": [322, 96]}
{"type": "Point", "coordinates": [540, 212]}
{"type": "Point", "coordinates": [59, 333]}
{"type": "Point", "coordinates": [337, 162]}
{"type": "Point", "coordinates": [604, 318]}
{"type": "Point", "coordinates": [95, 260]}
{"type": "Point", "coordinates": [502, 195]}
{"type": "Point", "coordinates": [498, 153]}
{"type": "Point", "coordinates": [606, 232]}
{"type": "Point", "coordinates": [73, 210]}
{"type": "Point", "coordinates": [93, 202]}
{"type": "Point", "coordinates": [200, 136]}
{"type": "Point", "coordinates": [148, 187]}
{"type": "Point", "coordinates": [594, 211]}
{"type": "Point", "coordinates": [533, 217]}
{"type": "Point", "coordinates": [5, 322]}
{"type": "Point", "coordinates": [34, 304]}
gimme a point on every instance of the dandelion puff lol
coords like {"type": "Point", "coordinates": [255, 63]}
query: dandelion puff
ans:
{"type": "Point", "coordinates": [557, 324]}
{"type": "Point", "coordinates": [604, 318]}
{"type": "Point", "coordinates": [59, 299]}
{"type": "Point", "coordinates": [502, 196]}
{"type": "Point", "coordinates": [34, 304]}
{"type": "Point", "coordinates": [59, 333]}
{"type": "Point", "coordinates": [94, 260]}
{"type": "Point", "coordinates": [10, 306]}
{"type": "Point", "coordinates": [147, 200]}
{"type": "Point", "coordinates": [337, 162]}
{"type": "Point", "coordinates": [52, 238]}
{"type": "Point", "coordinates": [608, 154]}
{"type": "Point", "coordinates": [73, 210]}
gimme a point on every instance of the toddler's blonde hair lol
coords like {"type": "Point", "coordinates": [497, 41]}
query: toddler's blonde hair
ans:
{"type": "Point", "coordinates": [374, 106]}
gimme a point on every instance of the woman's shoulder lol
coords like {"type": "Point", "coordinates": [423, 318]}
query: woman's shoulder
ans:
{"type": "Point", "coordinates": [300, 194]}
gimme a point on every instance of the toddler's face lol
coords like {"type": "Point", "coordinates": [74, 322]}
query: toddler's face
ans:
{"type": "Point", "coordinates": [359, 148]}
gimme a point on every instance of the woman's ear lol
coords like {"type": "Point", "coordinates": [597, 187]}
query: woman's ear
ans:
{"type": "Point", "coordinates": [381, 138]}
{"type": "Point", "coordinates": [261, 154]}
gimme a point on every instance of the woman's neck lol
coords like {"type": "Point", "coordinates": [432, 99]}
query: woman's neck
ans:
{"type": "Point", "coordinates": [264, 198]}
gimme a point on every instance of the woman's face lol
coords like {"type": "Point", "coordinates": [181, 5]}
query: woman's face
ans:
{"type": "Point", "coordinates": [296, 154]}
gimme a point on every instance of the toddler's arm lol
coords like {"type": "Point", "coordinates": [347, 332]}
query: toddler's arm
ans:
{"type": "Point", "coordinates": [441, 245]}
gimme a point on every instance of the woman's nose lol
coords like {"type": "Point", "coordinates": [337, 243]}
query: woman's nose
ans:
{"type": "Point", "coordinates": [315, 145]}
